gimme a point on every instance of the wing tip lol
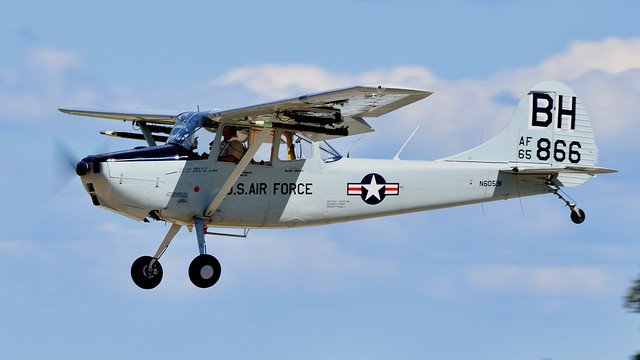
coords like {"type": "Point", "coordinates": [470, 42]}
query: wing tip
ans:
{"type": "Point", "coordinates": [391, 87]}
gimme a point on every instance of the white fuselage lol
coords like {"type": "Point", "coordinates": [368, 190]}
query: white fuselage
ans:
{"type": "Point", "coordinates": [300, 192]}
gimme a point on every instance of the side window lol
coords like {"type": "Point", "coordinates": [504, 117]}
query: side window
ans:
{"type": "Point", "coordinates": [302, 147]}
{"type": "Point", "coordinates": [293, 147]}
{"type": "Point", "coordinates": [286, 152]}
{"type": "Point", "coordinates": [263, 156]}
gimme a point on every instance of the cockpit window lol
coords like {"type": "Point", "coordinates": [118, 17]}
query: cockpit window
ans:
{"type": "Point", "coordinates": [184, 129]}
{"type": "Point", "coordinates": [287, 150]}
{"type": "Point", "coordinates": [292, 146]}
{"type": "Point", "coordinates": [263, 155]}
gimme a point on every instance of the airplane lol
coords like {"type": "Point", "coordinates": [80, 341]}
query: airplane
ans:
{"type": "Point", "coordinates": [285, 174]}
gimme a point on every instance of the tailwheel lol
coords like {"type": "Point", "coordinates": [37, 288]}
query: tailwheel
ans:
{"type": "Point", "coordinates": [145, 276]}
{"type": "Point", "coordinates": [577, 215]}
{"type": "Point", "coordinates": [204, 271]}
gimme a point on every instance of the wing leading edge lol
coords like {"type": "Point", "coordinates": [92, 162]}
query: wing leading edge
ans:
{"type": "Point", "coordinates": [151, 116]}
{"type": "Point", "coordinates": [319, 116]}
{"type": "Point", "coordinates": [336, 109]}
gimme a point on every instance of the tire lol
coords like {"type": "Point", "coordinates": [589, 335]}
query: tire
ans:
{"type": "Point", "coordinates": [204, 271]}
{"type": "Point", "coordinates": [577, 216]}
{"type": "Point", "coordinates": [142, 277]}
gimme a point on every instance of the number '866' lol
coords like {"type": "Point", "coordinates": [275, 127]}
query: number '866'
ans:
{"type": "Point", "coordinates": [559, 151]}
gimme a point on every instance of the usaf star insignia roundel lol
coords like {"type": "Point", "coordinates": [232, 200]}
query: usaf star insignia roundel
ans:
{"type": "Point", "coordinates": [373, 189]}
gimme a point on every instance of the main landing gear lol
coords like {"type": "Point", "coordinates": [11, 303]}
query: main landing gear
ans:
{"type": "Point", "coordinates": [204, 270]}
{"type": "Point", "coordinates": [577, 215]}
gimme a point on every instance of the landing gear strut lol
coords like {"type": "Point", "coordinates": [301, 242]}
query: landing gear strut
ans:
{"type": "Point", "coordinates": [204, 270]}
{"type": "Point", "coordinates": [577, 215]}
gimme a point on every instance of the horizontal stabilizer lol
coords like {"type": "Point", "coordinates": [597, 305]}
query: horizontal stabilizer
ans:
{"type": "Point", "coordinates": [550, 170]}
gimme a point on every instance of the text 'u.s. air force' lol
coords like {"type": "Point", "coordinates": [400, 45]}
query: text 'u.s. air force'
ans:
{"type": "Point", "coordinates": [261, 188]}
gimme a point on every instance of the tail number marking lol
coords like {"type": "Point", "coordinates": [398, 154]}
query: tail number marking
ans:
{"type": "Point", "coordinates": [543, 114]}
{"type": "Point", "coordinates": [544, 150]}
{"type": "Point", "coordinates": [542, 111]}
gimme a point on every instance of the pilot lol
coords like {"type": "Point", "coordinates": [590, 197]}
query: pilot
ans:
{"type": "Point", "coordinates": [232, 148]}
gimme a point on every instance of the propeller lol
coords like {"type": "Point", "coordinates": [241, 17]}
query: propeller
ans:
{"type": "Point", "coordinates": [63, 164]}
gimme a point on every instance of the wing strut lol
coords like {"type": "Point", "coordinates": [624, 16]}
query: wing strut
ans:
{"type": "Point", "coordinates": [146, 133]}
{"type": "Point", "coordinates": [222, 193]}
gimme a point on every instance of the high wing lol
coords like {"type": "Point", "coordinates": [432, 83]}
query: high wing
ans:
{"type": "Point", "coordinates": [152, 116]}
{"type": "Point", "coordinates": [326, 115]}
{"type": "Point", "coordinates": [318, 116]}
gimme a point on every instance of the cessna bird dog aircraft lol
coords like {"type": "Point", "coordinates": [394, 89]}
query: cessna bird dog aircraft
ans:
{"type": "Point", "coordinates": [269, 166]}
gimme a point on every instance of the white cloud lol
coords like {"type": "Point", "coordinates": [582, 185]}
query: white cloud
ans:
{"type": "Point", "coordinates": [52, 62]}
{"type": "Point", "coordinates": [264, 263]}
{"type": "Point", "coordinates": [607, 72]}
{"type": "Point", "coordinates": [311, 264]}
{"type": "Point", "coordinates": [271, 79]}
{"type": "Point", "coordinates": [460, 113]}
{"type": "Point", "coordinates": [40, 84]}
{"type": "Point", "coordinates": [280, 81]}
{"type": "Point", "coordinates": [612, 56]}
{"type": "Point", "coordinates": [16, 247]}
{"type": "Point", "coordinates": [612, 103]}
{"type": "Point", "coordinates": [9, 77]}
{"type": "Point", "coordinates": [543, 281]}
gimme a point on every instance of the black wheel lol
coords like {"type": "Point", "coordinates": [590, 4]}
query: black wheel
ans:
{"type": "Point", "coordinates": [143, 276]}
{"type": "Point", "coordinates": [204, 271]}
{"type": "Point", "coordinates": [577, 216]}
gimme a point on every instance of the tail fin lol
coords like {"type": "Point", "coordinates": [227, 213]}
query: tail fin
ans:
{"type": "Point", "coordinates": [549, 127]}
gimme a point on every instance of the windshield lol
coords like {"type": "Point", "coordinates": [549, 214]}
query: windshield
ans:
{"type": "Point", "coordinates": [183, 131]}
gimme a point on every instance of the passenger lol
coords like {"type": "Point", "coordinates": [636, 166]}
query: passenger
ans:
{"type": "Point", "coordinates": [232, 148]}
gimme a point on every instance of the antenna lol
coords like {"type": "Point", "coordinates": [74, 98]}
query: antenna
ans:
{"type": "Point", "coordinates": [397, 157]}
{"type": "Point", "coordinates": [484, 215]}
{"type": "Point", "coordinates": [517, 179]}
{"type": "Point", "coordinates": [349, 151]}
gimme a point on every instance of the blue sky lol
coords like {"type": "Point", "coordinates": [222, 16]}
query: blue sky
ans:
{"type": "Point", "coordinates": [506, 280]}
